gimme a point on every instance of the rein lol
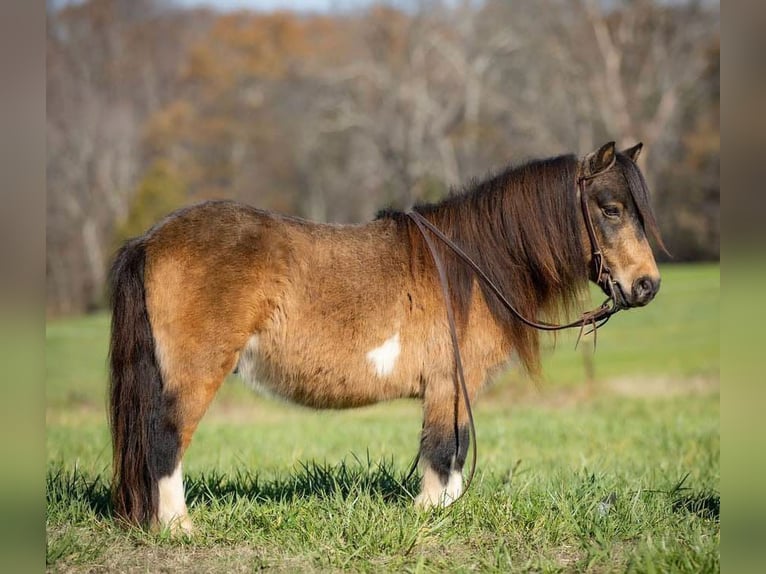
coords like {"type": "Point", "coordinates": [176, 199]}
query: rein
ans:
{"type": "Point", "coordinates": [594, 318]}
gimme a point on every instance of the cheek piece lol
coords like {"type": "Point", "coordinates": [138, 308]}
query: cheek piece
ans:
{"type": "Point", "coordinates": [600, 272]}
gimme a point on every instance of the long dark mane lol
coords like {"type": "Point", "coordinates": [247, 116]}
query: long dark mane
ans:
{"type": "Point", "coordinates": [522, 227]}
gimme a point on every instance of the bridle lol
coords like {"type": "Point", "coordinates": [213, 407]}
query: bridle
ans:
{"type": "Point", "coordinates": [594, 318]}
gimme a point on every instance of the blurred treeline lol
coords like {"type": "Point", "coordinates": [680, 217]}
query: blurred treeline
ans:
{"type": "Point", "coordinates": [334, 116]}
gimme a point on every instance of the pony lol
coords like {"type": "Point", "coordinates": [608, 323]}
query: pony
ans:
{"type": "Point", "coordinates": [338, 316]}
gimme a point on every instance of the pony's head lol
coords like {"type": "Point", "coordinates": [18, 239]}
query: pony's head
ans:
{"type": "Point", "coordinates": [622, 218]}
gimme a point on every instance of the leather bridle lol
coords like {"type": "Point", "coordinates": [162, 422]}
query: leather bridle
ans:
{"type": "Point", "coordinates": [594, 318]}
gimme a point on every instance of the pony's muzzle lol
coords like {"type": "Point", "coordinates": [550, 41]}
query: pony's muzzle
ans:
{"type": "Point", "coordinates": [643, 290]}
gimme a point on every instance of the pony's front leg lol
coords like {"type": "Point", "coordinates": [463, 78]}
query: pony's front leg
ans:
{"type": "Point", "coordinates": [443, 447]}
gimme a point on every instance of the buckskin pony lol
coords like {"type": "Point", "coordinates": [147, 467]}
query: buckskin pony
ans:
{"type": "Point", "coordinates": [339, 316]}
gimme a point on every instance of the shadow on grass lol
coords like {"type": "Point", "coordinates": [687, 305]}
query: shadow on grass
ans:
{"type": "Point", "coordinates": [72, 489]}
{"type": "Point", "coordinates": [310, 480]}
{"type": "Point", "coordinates": [704, 504]}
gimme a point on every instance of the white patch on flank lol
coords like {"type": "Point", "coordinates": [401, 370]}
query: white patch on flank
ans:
{"type": "Point", "coordinates": [383, 358]}
{"type": "Point", "coordinates": [172, 503]}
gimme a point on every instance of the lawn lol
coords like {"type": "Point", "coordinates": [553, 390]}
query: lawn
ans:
{"type": "Point", "coordinates": [610, 463]}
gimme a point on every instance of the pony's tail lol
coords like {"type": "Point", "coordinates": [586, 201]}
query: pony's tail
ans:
{"type": "Point", "coordinates": [144, 445]}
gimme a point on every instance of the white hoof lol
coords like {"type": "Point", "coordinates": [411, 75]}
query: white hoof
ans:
{"type": "Point", "coordinates": [181, 526]}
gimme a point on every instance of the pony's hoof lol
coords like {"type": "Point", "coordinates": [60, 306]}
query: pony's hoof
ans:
{"type": "Point", "coordinates": [178, 526]}
{"type": "Point", "coordinates": [428, 500]}
{"type": "Point", "coordinates": [181, 527]}
{"type": "Point", "coordinates": [424, 502]}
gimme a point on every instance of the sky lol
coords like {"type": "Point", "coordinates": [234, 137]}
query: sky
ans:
{"type": "Point", "coordinates": [303, 5]}
{"type": "Point", "coordinates": [297, 5]}
{"type": "Point", "coordinates": [294, 5]}
{"type": "Point", "coordinates": [262, 5]}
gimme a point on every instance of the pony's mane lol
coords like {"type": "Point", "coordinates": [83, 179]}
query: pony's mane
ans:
{"type": "Point", "coordinates": [522, 228]}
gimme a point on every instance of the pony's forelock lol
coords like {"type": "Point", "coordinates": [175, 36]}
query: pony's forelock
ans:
{"type": "Point", "coordinates": [639, 190]}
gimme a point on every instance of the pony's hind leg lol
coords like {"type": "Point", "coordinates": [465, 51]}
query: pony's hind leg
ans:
{"type": "Point", "coordinates": [185, 299]}
{"type": "Point", "coordinates": [192, 380]}
{"type": "Point", "coordinates": [197, 343]}
{"type": "Point", "coordinates": [443, 446]}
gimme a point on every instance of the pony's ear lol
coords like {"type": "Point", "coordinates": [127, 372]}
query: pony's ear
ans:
{"type": "Point", "coordinates": [600, 160]}
{"type": "Point", "coordinates": [634, 152]}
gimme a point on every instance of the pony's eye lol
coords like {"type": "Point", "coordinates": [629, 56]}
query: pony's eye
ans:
{"type": "Point", "coordinates": [611, 210]}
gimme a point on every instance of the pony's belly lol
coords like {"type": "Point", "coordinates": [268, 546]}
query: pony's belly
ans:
{"type": "Point", "coordinates": [251, 371]}
{"type": "Point", "coordinates": [326, 383]}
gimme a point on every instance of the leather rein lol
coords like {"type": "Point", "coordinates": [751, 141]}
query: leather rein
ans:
{"type": "Point", "coordinates": [594, 318]}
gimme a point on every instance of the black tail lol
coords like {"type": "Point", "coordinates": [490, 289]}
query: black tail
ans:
{"type": "Point", "coordinates": [145, 441]}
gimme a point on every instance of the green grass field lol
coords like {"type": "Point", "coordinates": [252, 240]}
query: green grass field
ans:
{"type": "Point", "coordinates": [611, 463]}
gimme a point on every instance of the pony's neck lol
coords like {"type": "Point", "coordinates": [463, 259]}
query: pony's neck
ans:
{"type": "Point", "coordinates": [523, 228]}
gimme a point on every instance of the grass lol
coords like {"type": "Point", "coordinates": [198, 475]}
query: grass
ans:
{"type": "Point", "coordinates": [620, 474]}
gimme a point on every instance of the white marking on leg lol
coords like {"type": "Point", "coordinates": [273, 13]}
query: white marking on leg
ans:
{"type": "Point", "coordinates": [383, 358]}
{"type": "Point", "coordinates": [431, 490]}
{"type": "Point", "coordinates": [434, 493]}
{"type": "Point", "coordinates": [171, 509]}
{"type": "Point", "coordinates": [454, 487]}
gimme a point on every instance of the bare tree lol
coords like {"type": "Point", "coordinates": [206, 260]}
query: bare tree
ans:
{"type": "Point", "coordinates": [108, 66]}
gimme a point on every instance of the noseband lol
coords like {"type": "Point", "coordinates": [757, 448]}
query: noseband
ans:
{"type": "Point", "coordinates": [594, 318]}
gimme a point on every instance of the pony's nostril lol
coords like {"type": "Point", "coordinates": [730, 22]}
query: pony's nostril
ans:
{"type": "Point", "coordinates": [644, 289]}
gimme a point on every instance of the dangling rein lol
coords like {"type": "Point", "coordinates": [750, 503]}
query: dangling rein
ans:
{"type": "Point", "coordinates": [594, 318]}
